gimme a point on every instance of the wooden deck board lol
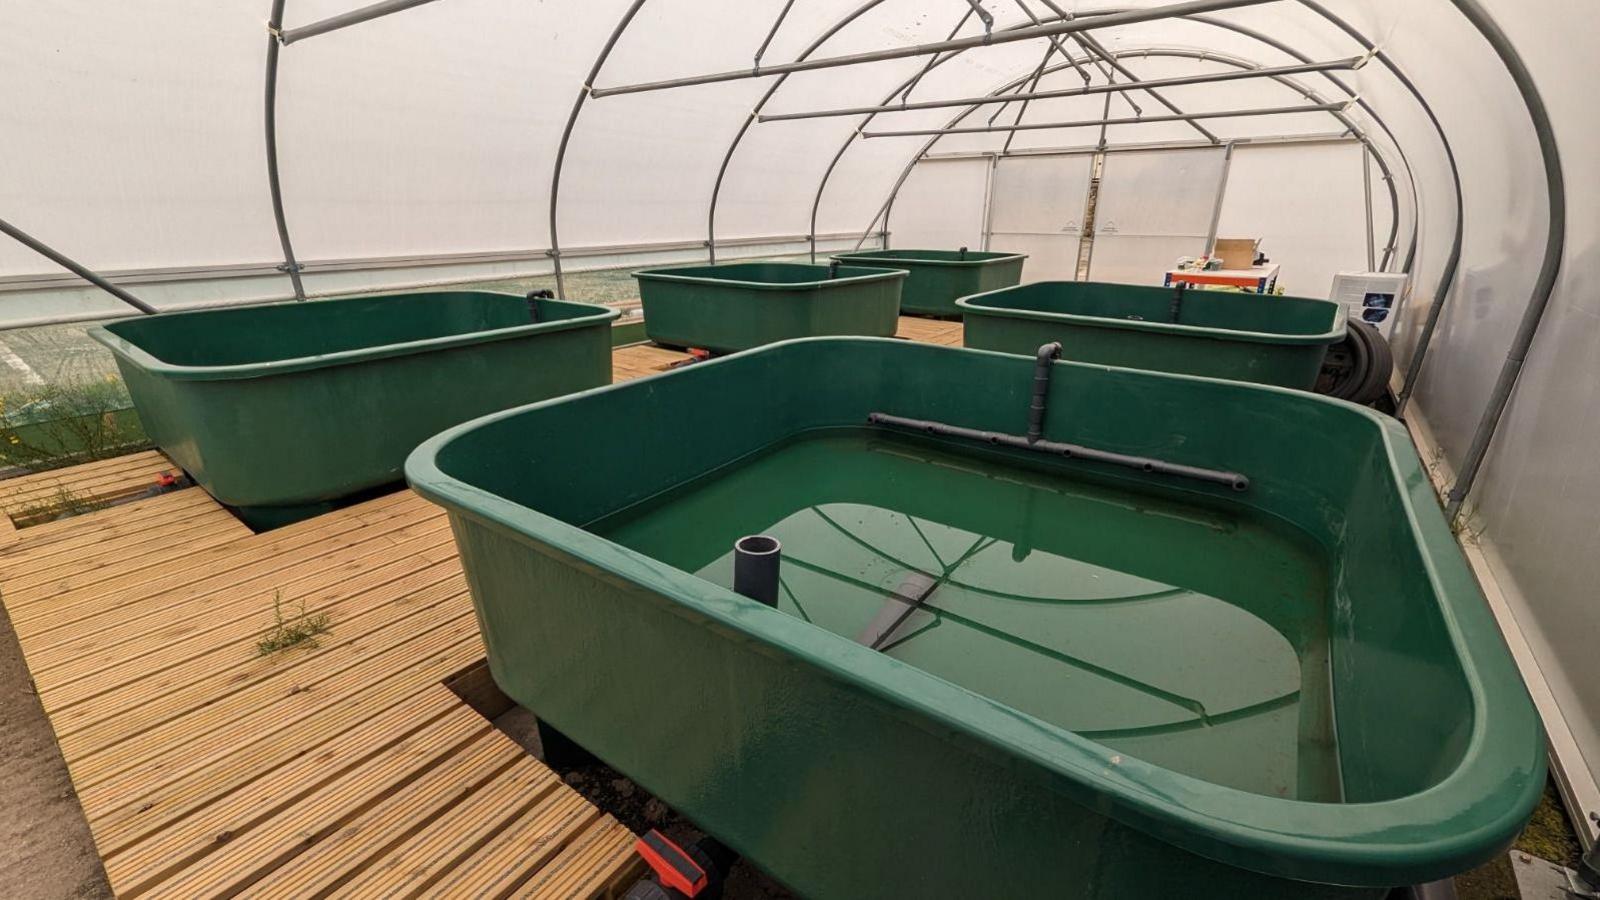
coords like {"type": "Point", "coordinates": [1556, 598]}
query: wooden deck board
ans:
{"type": "Point", "coordinates": [206, 769]}
{"type": "Point", "coordinates": [103, 481]}
{"type": "Point", "coordinates": [345, 768]}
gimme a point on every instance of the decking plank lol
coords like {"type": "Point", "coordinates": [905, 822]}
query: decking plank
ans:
{"type": "Point", "coordinates": [244, 859]}
{"type": "Point", "coordinates": [148, 643]}
{"type": "Point", "coordinates": [240, 790]}
{"type": "Point", "coordinates": [399, 815]}
{"type": "Point", "coordinates": [414, 865]}
{"type": "Point", "coordinates": [128, 468]}
{"type": "Point", "coordinates": [236, 719]}
{"type": "Point", "coordinates": [517, 853]}
{"type": "Point", "coordinates": [377, 618]}
{"type": "Point", "coordinates": [586, 865]}
{"type": "Point", "coordinates": [77, 621]}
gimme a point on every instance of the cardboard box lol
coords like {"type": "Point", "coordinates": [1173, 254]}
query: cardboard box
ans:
{"type": "Point", "coordinates": [1236, 253]}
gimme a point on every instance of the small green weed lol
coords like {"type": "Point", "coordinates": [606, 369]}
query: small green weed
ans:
{"type": "Point", "coordinates": [295, 631]}
{"type": "Point", "coordinates": [65, 503]}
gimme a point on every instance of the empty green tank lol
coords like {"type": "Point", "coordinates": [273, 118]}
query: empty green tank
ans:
{"type": "Point", "coordinates": [282, 410]}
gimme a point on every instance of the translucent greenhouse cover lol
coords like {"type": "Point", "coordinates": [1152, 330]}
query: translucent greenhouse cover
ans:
{"type": "Point", "coordinates": [132, 140]}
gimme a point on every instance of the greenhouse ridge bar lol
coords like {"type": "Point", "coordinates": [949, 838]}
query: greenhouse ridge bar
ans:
{"type": "Point", "coordinates": [1117, 88]}
{"type": "Point", "coordinates": [1021, 34]}
{"type": "Point", "coordinates": [1126, 120]}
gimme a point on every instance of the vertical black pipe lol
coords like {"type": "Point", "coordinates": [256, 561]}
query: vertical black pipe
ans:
{"type": "Point", "coordinates": [1041, 389]}
{"type": "Point", "coordinates": [756, 558]}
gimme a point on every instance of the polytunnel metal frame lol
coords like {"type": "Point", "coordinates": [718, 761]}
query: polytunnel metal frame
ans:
{"type": "Point", "coordinates": [1059, 23]}
{"type": "Point", "coordinates": [1356, 135]}
{"type": "Point", "coordinates": [1283, 48]}
{"type": "Point", "coordinates": [1350, 126]}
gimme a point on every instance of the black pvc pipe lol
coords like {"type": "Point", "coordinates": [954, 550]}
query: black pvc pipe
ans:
{"type": "Point", "coordinates": [34, 244]}
{"type": "Point", "coordinates": [1072, 451]}
{"type": "Point", "coordinates": [756, 559]}
{"type": "Point", "coordinates": [1048, 353]}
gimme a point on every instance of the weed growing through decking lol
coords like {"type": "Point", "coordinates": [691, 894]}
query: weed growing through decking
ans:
{"type": "Point", "coordinates": [64, 503]}
{"type": "Point", "coordinates": [298, 630]}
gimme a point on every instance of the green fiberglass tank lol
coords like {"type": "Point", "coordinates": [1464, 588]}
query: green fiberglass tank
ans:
{"type": "Point", "coordinates": [1262, 338]}
{"type": "Point", "coordinates": [1153, 650]}
{"type": "Point", "coordinates": [280, 410]}
{"type": "Point", "coordinates": [936, 279]}
{"type": "Point", "coordinates": [737, 306]}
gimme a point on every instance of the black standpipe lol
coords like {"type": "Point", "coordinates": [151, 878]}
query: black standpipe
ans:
{"type": "Point", "coordinates": [755, 567]}
{"type": "Point", "coordinates": [1047, 354]}
{"type": "Point", "coordinates": [533, 302]}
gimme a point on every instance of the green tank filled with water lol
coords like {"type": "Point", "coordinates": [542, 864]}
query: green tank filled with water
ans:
{"type": "Point", "coordinates": [936, 279]}
{"type": "Point", "coordinates": [1266, 339]}
{"type": "Point", "coordinates": [1038, 629]}
{"type": "Point", "coordinates": [283, 410]}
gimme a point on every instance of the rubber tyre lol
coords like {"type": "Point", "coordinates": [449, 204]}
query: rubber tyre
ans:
{"type": "Point", "coordinates": [1359, 352]}
{"type": "Point", "coordinates": [1380, 364]}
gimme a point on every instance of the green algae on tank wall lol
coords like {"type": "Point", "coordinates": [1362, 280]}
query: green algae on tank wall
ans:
{"type": "Point", "coordinates": [1191, 637]}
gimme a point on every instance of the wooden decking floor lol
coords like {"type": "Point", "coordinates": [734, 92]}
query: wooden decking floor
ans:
{"type": "Point", "coordinates": [339, 767]}
{"type": "Point", "coordinates": [346, 768]}
{"type": "Point", "coordinates": [39, 496]}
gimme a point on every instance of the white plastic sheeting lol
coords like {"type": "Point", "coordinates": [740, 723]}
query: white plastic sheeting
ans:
{"type": "Point", "coordinates": [131, 136]}
{"type": "Point", "coordinates": [1155, 206]}
{"type": "Point", "coordinates": [942, 205]}
{"type": "Point", "coordinates": [1312, 227]}
{"type": "Point", "coordinates": [1038, 210]}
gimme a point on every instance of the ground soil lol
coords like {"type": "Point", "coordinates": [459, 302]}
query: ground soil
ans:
{"type": "Point", "coordinates": [46, 852]}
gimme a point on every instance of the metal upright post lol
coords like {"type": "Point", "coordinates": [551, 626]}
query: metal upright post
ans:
{"type": "Point", "coordinates": [988, 202]}
{"type": "Point", "coordinates": [1222, 192]}
{"type": "Point", "coordinates": [290, 264]}
{"type": "Point", "coordinates": [1366, 189]}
